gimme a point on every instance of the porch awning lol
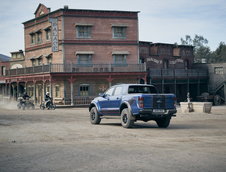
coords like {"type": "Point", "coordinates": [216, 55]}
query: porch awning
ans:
{"type": "Point", "coordinates": [48, 55]}
{"type": "Point", "coordinates": [119, 25]}
{"type": "Point", "coordinates": [120, 52]}
{"type": "Point", "coordinates": [35, 57]}
{"type": "Point", "coordinates": [84, 52]}
{"type": "Point", "coordinates": [83, 24]}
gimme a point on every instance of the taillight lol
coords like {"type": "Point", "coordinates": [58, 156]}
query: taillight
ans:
{"type": "Point", "coordinates": [141, 102]}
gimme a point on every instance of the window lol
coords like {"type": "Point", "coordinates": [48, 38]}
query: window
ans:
{"type": "Point", "coordinates": [32, 38]}
{"type": "Point", "coordinates": [49, 60]}
{"type": "Point", "coordinates": [48, 34]}
{"type": "Point", "coordinates": [84, 59]}
{"type": "Point", "coordinates": [109, 92]}
{"type": "Point", "coordinates": [57, 91]}
{"type": "Point", "coordinates": [83, 31]}
{"type": "Point", "coordinates": [39, 61]}
{"type": "Point", "coordinates": [119, 58]}
{"type": "Point", "coordinates": [30, 90]}
{"type": "Point", "coordinates": [219, 70]}
{"type": "Point", "coordinates": [118, 91]}
{"type": "Point", "coordinates": [142, 89]}
{"type": "Point", "coordinates": [119, 32]}
{"type": "Point", "coordinates": [84, 90]}
{"type": "Point", "coordinates": [3, 72]}
{"type": "Point", "coordinates": [33, 62]}
{"type": "Point", "coordinates": [48, 88]}
{"type": "Point", "coordinates": [39, 37]}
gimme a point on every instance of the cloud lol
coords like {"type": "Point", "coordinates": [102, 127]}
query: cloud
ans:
{"type": "Point", "coordinates": [159, 20]}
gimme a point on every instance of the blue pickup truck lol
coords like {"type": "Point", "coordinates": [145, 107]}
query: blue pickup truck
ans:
{"type": "Point", "coordinates": [133, 102]}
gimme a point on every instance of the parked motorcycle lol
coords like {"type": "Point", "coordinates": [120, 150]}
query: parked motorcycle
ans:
{"type": "Point", "coordinates": [25, 103]}
{"type": "Point", "coordinates": [49, 105]}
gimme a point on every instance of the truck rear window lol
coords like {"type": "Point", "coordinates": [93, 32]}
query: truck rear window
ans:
{"type": "Point", "coordinates": [142, 89]}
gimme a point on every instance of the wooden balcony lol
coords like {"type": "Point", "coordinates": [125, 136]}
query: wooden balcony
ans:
{"type": "Point", "coordinates": [178, 73]}
{"type": "Point", "coordinates": [75, 68]}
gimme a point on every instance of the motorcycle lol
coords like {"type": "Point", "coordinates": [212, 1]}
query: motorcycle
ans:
{"type": "Point", "coordinates": [25, 103]}
{"type": "Point", "coordinates": [47, 105]}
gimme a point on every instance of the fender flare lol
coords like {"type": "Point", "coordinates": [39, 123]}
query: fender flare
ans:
{"type": "Point", "coordinates": [92, 104]}
{"type": "Point", "coordinates": [128, 106]}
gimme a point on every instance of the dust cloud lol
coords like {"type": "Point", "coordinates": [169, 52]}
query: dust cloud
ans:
{"type": "Point", "coordinates": [8, 104]}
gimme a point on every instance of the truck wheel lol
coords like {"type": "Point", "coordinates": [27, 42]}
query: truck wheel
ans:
{"type": "Point", "coordinates": [127, 119]}
{"type": "Point", "coordinates": [163, 122]}
{"type": "Point", "coordinates": [94, 116]}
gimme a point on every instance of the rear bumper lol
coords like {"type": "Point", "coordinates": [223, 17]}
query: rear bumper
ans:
{"type": "Point", "coordinates": [156, 114]}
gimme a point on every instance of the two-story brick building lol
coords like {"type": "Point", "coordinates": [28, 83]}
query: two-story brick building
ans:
{"type": "Point", "coordinates": [75, 54]}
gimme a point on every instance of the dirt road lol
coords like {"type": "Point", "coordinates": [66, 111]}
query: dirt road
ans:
{"type": "Point", "coordinates": [64, 140]}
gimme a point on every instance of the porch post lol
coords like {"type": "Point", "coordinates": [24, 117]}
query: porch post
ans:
{"type": "Point", "coordinates": [17, 91]}
{"type": "Point", "coordinates": [25, 86]}
{"type": "Point", "coordinates": [9, 90]}
{"type": "Point", "coordinates": [44, 88]}
{"type": "Point", "coordinates": [109, 79]}
{"type": "Point", "coordinates": [71, 81]}
{"type": "Point", "coordinates": [34, 92]}
{"type": "Point", "coordinates": [13, 91]}
{"type": "Point", "coordinates": [51, 87]}
{"type": "Point", "coordinates": [5, 89]}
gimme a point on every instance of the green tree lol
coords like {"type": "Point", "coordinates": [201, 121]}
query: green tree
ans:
{"type": "Point", "coordinates": [201, 50]}
{"type": "Point", "coordinates": [220, 53]}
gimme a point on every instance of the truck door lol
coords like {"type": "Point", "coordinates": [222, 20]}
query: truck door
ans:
{"type": "Point", "coordinates": [115, 100]}
{"type": "Point", "coordinates": [104, 102]}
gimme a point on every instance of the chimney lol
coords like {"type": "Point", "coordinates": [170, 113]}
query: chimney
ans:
{"type": "Point", "coordinates": [66, 7]}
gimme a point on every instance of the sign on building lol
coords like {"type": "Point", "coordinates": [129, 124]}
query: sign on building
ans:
{"type": "Point", "coordinates": [53, 22]}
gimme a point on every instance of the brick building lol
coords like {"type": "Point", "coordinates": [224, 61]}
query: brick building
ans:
{"type": "Point", "coordinates": [4, 66]}
{"type": "Point", "coordinates": [170, 68]}
{"type": "Point", "coordinates": [75, 54]}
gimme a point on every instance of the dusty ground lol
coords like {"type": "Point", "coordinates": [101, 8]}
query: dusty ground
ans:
{"type": "Point", "coordinates": [64, 140]}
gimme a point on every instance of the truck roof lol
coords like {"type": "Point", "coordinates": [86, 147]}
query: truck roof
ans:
{"type": "Point", "coordinates": [134, 84]}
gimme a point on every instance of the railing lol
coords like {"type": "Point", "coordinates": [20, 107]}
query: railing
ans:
{"type": "Point", "coordinates": [75, 68]}
{"type": "Point", "coordinates": [83, 100]}
{"type": "Point", "coordinates": [178, 73]}
{"type": "Point", "coordinates": [216, 82]}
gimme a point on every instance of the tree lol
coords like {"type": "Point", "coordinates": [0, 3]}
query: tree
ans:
{"type": "Point", "coordinates": [220, 53]}
{"type": "Point", "coordinates": [201, 50]}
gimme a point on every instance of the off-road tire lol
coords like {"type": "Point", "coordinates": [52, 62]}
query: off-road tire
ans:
{"type": "Point", "coordinates": [163, 122]}
{"type": "Point", "coordinates": [94, 116]}
{"type": "Point", "coordinates": [127, 120]}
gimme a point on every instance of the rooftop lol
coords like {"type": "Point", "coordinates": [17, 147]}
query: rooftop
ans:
{"type": "Point", "coordinates": [4, 58]}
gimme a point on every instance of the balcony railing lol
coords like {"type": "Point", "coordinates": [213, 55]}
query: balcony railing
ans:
{"type": "Point", "coordinates": [159, 73]}
{"type": "Point", "coordinates": [75, 68]}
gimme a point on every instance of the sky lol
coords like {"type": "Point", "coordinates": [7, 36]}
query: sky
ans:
{"type": "Point", "coordinates": [160, 21]}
